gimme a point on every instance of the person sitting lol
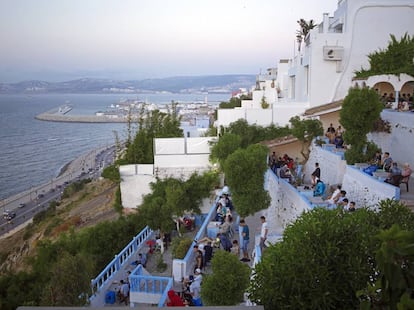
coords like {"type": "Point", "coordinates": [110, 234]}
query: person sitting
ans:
{"type": "Point", "coordinates": [340, 201]}
{"type": "Point", "coordinates": [235, 248]}
{"type": "Point", "coordinates": [350, 207]}
{"type": "Point", "coordinates": [406, 172]}
{"type": "Point", "coordinates": [394, 175]}
{"type": "Point", "coordinates": [319, 189]}
{"type": "Point", "coordinates": [377, 160]}
{"type": "Point", "coordinates": [174, 299]}
{"type": "Point", "coordinates": [285, 173]}
{"type": "Point", "coordinates": [343, 203]}
{"type": "Point", "coordinates": [333, 199]}
{"type": "Point", "coordinates": [123, 292]}
{"type": "Point", "coordinates": [386, 161]}
{"type": "Point", "coordinates": [339, 142]}
{"type": "Point", "coordinates": [142, 259]}
{"type": "Point", "coordinates": [219, 213]}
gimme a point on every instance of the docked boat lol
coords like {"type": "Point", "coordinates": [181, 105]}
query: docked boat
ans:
{"type": "Point", "coordinates": [65, 109]}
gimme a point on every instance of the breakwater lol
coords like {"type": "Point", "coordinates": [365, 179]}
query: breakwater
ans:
{"type": "Point", "coordinates": [54, 116]}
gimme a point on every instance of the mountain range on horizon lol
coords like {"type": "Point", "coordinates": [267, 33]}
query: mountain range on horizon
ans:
{"type": "Point", "coordinates": [179, 84]}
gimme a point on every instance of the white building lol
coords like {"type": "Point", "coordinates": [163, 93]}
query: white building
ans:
{"type": "Point", "coordinates": [322, 71]}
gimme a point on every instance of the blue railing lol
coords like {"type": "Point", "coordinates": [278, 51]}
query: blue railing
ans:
{"type": "Point", "coordinates": [120, 259]}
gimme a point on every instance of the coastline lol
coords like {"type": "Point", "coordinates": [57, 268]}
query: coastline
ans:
{"type": "Point", "coordinates": [67, 173]}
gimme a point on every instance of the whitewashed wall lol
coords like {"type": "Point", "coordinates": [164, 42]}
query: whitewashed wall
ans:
{"type": "Point", "coordinates": [286, 203]}
{"type": "Point", "coordinates": [332, 166]}
{"type": "Point", "coordinates": [366, 190]}
{"type": "Point", "coordinates": [400, 142]}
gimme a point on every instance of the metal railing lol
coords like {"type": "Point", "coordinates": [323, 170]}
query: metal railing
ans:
{"type": "Point", "coordinates": [120, 259]}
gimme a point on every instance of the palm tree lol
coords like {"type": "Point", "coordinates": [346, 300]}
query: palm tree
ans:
{"type": "Point", "coordinates": [305, 27]}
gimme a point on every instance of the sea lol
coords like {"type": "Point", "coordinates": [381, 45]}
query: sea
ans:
{"type": "Point", "coordinates": [33, 152]}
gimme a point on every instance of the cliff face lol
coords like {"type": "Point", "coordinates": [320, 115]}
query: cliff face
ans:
{"type": "Point", "coordinates": [85, 209]}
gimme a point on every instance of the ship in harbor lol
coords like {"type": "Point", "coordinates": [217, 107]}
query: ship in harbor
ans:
{"type": "Point", "coordinates": [65, 109]}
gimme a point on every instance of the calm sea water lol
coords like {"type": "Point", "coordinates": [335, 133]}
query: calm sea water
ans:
{"type": "Point", "coordinates": [33, 151]}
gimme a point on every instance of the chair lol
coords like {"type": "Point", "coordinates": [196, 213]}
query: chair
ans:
{"type": "Point", "coordinates": [405, 181]}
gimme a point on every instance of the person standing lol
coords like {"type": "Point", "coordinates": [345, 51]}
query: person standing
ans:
{"type": "Point", "coordinates": [316, 174]}
{"type": "Point", "coordinates": [246, 239]}
{"type": "Point", "coordinates": [263, 232]}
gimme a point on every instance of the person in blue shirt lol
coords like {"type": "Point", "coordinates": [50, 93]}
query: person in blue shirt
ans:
{"type": "Point", "coordinates": [319, 189]}
{"type": "Point", "coordinates": [246, 239]}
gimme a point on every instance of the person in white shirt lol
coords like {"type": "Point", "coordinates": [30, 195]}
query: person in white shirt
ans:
{"type": "Point", "coordinates": [263, 233]}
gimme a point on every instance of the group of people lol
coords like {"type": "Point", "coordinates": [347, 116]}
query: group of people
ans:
{"type": "Point", "coordinates": [337, 198]}
{"type": "Point", "coordinates": [285, 163]}
{"type": "Point", "coordinates": [396, 175]}
{"type": "Point", "coordinates": [335, 136]}
{"type": "Point", "coordinates": [190, 294]}
{"type": "Point", "coordinates": [405, 101]}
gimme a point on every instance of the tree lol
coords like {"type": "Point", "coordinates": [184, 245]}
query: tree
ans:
{"type": "Point", "coordinates": [325, 257]}
{"type": "Point", "coordinates": [397, 58]}
{"type": "Point", "coordinates": [70, 281]}
{"type": "Point", "coordinates": [303, 31]}
{"type": "Point", "coordinates": [171, 198]}
{"type": "Point", "coordinates": [244, 170]}
{"type": "Point", "coordinates": [226, 145]}
{"type": "Point", "coordinates": [394, 287]}
{"type": "Point", "coordinates": [360, 110]}
{"type": "Point", "coordinates": [305, 131]}
{"type": "Point", "coordinates": [152, 124]}
{"type": "Point", "coordinates": [228, 282]}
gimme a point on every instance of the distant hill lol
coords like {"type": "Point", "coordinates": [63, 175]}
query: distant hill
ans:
{"type": "Point", "coordinates": [182, 84]}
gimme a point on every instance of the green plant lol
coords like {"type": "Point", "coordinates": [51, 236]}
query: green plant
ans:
{"type": "Point", "coordinates": [228, 281]}
{"type": "Point", "coordinates": [360, 110]}
{"type": "Point", "coordinates": [180, 247]}
{"type": "Point", "coordinates": [305, 131]}
{"type": "Point", "coordinates": [325, 257]}
{"type": "Point", "coordinates": [397, 58]}
{"type": "Point", "coordinates": [264, 103]}
{"type": "Point", "coordinates": [161, 265]}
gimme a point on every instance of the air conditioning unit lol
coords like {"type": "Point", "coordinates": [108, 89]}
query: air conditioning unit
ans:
{"type": "Point", "coordinates": [333, 52]}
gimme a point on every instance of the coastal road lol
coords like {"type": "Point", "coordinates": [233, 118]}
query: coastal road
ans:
{"type": "Point", "coordinates": [25, 205]}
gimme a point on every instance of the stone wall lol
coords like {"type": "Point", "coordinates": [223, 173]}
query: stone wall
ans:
{"type": "Point", "coordinates": [332, 166]}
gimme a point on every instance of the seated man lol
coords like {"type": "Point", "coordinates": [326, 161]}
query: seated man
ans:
{"type": "Point", "coordinates": [340, 201]}
{"type": "Point", "coordinates": [319, 189]}
{"type": "Point", "coordinates": [343, 203]}
{"type": "Point", "coordinates": [394, 175]}
{"type": "Point", "coordinates": [123, 292]}
{"type": "Point", "coordinates": [386, 161]}
{"type": "Point", "coordinates": [285, 173]}
{"type": "Point", "coordinates": [335, 195]}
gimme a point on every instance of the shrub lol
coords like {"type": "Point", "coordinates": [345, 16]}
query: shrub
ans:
{"type": "Point", "coordinates": [180, 247]}
{"type": "Point", "coordinates": [228, 282]}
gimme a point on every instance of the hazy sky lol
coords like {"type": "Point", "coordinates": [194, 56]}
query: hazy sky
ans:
{"type": "Point", "coordinates": [134, 39]}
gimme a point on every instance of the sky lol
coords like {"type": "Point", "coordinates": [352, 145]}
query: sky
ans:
{"type": "Point", "coordinates": [58, 40]}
